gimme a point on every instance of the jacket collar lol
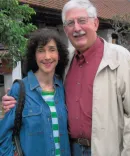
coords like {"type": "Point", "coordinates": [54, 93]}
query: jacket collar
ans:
{"type": "Point", "coordinates": [35, 84]}
{"type": "Point", "coordinates": [109, 58]}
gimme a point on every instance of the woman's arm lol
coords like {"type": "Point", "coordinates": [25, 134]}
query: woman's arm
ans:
{"type": "Point", "coordinates": [6, 126]}
{"type": "Point", "coordinates": [6, 130]}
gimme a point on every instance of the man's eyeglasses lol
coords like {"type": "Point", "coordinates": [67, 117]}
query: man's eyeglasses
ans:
{"type": "Point", "coordinates": [80, 20]}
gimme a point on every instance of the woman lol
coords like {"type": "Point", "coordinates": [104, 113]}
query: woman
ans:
{"type": "Point", "coordinates": [44, 117]}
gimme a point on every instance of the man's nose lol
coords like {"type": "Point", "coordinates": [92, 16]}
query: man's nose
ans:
{"type": "Point", "coordinates": [77, 26]}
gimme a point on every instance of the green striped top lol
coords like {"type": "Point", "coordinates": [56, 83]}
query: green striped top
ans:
{"type": "Point", "coordinates": [49, 99]}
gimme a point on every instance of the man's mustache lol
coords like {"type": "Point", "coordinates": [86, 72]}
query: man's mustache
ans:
{"type": "Point", "coordinates": [75, 34]}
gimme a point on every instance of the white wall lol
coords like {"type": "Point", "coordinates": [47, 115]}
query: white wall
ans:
{"type": "Point", "coordinates": [9, 78]}
{"type": "Point", "coordinates": [106, 34]}
{"type": "Point", "coordinates": [7, 81]}
{"type": "Point", "coordinates": [17, 73]}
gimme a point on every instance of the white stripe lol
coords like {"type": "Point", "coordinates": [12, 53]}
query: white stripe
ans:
{"type": "Point", "coordinates": [48, 97]}
{"type": "Point", "coordinates": [57, 145]}
{"type": "Point", "coordinates": [52, 108]}
{"type": "Point", "coordinates": [55, 133]}
{"type": "Point", "coordinates": [54, 120]}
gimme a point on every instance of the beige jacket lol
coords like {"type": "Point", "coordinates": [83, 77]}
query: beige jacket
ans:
{"type": "Point", "coordinates": [111, 103]}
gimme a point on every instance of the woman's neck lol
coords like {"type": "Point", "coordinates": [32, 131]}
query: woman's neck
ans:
{"type": "Point", "coordinates": [45, 81]}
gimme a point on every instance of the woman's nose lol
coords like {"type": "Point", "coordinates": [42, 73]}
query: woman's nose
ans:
{"type": "Point", "coordinates": [47, 55]}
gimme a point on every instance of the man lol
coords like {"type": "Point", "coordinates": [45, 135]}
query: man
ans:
{"type": "Point", "coordinates": [97, 86]}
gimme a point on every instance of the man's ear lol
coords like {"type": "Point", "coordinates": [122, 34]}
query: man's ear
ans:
{"type": "Point", "coordinates": [65, 30]}
{"type": "Point", "coordinates": [96, 23]}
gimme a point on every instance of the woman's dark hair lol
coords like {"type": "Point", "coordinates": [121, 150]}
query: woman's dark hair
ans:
{"type": "Point", "coordinates": [42, 37]}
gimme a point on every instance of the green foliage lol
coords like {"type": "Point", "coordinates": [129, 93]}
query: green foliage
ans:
{"type": "Point", "coordinates": [14, 25]}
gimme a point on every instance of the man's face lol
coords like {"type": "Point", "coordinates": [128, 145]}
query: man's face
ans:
{"type": "Point", "coordinates": [80, 29]}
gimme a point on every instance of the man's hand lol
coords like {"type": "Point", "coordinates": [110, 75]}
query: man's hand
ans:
{"type": "Point", "coordinates": [8, 102]}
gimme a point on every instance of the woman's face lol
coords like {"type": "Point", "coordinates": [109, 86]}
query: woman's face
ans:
{"type": "Point", "coordinates": [47, 57]}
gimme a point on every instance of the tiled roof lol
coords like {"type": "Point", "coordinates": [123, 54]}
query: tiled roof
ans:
{"type": "Point", "coordinates": [106, 8]}
{"type": "Point", "coordinates": [109, 8]}
{"type": "Point", "coordinates": [55, 4]}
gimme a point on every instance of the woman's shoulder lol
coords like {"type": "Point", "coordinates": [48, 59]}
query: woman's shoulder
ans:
{"type": "Point", "coordinates": [58, 80]}
{"type": "Point", "coordinates": [15, 88]}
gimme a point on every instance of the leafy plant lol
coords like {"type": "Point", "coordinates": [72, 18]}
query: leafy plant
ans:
{"type": "Point", "coordinates": [14, 26]}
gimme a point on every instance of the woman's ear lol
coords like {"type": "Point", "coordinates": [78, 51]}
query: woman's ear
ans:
{"type": "Point", "coordinates": [58, 57]}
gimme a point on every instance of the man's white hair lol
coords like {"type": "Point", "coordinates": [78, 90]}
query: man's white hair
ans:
{"type": "Point", "coordinates": [86, 4]}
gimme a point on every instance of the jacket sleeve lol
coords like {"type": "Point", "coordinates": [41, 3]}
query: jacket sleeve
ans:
{"type": "Point", "coordinates": [126, 138]}
{"type": "Point", "coordinates": [124, 85]}
{"type": "Point", "coordinates": [6, 125]}
{"type": "Point", "coordinates": [6, 128]}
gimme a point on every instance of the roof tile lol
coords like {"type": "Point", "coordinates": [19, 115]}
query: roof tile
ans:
{"type": "Point", "coordinates": [106, 8]}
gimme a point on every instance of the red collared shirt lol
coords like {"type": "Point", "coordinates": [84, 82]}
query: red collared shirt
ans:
{"type": "Point", "coordinates": [79, 90]}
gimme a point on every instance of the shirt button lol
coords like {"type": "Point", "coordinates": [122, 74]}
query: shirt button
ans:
{"type": "Point", "coordinates": [77, 118]}
{"type": "Point", "coordinates": [56, 102]}
{"type": "Point", "coordinates": [76, 99]}
{"type": "Point", "coordinates": [53, 152]}
{"type": "Point", "coordinates": [78, 83]}
{"type": "Point", "coordinates": [62, 150]}
{"type": "Point", "coordinates": [81, 134]}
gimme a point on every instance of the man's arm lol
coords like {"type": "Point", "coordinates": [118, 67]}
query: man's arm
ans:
{"type": "Point", "coordinates": [126, 138]}
{"type": "Point", "coordinates": [124, 87]}
{"type": "Point", "coordinates": [6, 130]}
{"type": "Point", "coordinates": [8, 102]}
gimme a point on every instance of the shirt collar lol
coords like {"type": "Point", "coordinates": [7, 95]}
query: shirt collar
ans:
{"type": "Point", "coordinates": [91, 51]}
{"type": "Point", "coordinates": [35, 84]}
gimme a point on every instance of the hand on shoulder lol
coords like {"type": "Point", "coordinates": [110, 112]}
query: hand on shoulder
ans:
{"type": "Point", "coordinates": [8, 102]}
